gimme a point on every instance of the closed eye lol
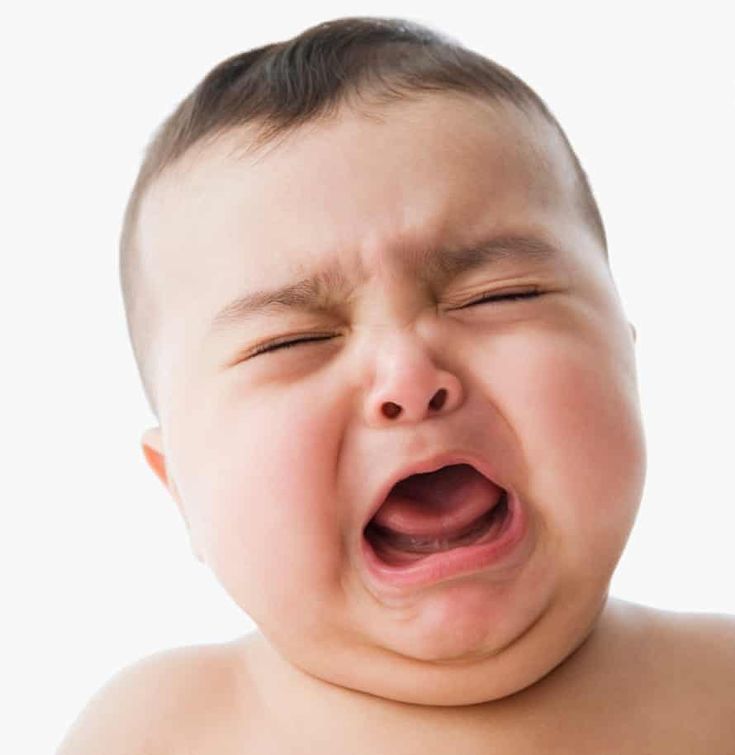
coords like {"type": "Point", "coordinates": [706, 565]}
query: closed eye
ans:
{"type": "Point", "coordinates": [287, 344]}
{"type": "Point", "coordinates": [512, 296]}
{"type": "Point", "coordinates": [488, 298]}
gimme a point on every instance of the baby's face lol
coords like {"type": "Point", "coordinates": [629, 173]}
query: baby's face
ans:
{"type": "Point", "coordinates": [279, 458]}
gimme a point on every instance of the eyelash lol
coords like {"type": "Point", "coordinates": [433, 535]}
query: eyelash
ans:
{"type": "Point", "coordinates": [482, 300]}
{"type": "Point", "coordinates": [515, 296]}
{"type": "Point", "coordinates": [287, 344]}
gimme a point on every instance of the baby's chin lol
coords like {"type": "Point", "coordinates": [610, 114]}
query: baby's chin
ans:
{"type": "Point", "coordinates": [490, 671]}
{"type": "Point", "coordinates": [455, 667]}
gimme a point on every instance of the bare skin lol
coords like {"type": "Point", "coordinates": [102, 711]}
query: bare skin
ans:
{"type": "Point", "coordinates": [274, 455]}
{"type": "Point", "coordinates": [644, 681]}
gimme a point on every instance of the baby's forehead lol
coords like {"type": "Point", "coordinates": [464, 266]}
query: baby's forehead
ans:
{"type": "Point", "coordinates": [397, 154]}
{"type": "Point", "coordinates": [370, 192]}
{"type": "Point", "coordinates": [255, 142]}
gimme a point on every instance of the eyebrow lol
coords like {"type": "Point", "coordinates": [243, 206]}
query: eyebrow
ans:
{"type": "Point", "coordinates": [327, 289]}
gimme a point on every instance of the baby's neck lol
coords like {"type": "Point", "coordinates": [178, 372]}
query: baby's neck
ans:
{"type": "Point", "coordinates": [316, 711]}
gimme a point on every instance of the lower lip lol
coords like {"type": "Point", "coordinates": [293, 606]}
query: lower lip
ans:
{"type": "Point", "coordinates": [437, 567]}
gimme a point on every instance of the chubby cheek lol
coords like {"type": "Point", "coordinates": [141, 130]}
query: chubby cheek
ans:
{"type": "Point", "coordinates": [573, 402]}
{"type": "Point", "coordinates": [260, 498]}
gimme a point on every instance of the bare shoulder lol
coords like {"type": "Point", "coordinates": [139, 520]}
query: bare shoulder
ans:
{"type": "Point", "coordinates": [703, 646]}
{"type": "Point", "coordinates": [689, 662]}
{"type": "Point", "coordinates": [187, 694]}
{"type": "Point", "coordinates": [705, 640]}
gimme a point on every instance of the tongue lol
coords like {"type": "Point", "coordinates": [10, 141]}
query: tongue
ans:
{"type": "Point", "coordinates": [438, 504]}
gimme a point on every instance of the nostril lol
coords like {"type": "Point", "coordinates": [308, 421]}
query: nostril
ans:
{"type": "Point", "coordinates": [390, 409]}
{"type": "Point", "coordinates": [439, 398]}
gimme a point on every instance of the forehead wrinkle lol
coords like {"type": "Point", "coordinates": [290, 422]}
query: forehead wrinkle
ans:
{"type": "Point", "coordinates": [440, 265]}
{"type": "Point", "coordinates": [332, 288]}
{"type": "Point", "coordinates": [322, 291]}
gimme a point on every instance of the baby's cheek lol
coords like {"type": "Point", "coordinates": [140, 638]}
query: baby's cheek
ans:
{"type": "Point", "coordinates": [261, 491]}
{"type": "Point", "coordinates": [575, 411]}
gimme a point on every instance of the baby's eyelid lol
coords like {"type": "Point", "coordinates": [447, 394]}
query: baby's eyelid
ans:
{"type": "Point", "coordinates": [511, 295]}
{"type": "Point", "coordinates": [490, 296]}
{"type": "Point", "coordinates": [289, 342]}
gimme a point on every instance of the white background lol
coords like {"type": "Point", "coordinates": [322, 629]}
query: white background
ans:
{"type": "Point", "coordinates": [96, 569]}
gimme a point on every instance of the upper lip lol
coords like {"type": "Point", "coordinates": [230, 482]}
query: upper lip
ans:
{"type": "Point", "coordinates": [428, 464]}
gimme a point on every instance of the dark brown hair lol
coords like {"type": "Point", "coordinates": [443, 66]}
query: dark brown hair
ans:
{"type": "Point", "coordinates": [278, 87]}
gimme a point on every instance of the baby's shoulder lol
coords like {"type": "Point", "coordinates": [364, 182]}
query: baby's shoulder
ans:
{"type": "Point", "coordinates": [685, 667]}
{"type": "Point", "coordinates": [701, 643]}
{"type": "Point", "coordinates": [185, 695]}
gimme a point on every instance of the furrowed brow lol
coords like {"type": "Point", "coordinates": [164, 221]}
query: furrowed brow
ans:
{"type": "Point", "coordinates": [322, 291]}
{"type": "Point", "coordinates": [448, 264]}
{"type": "Point", "coordinates": [329, 289]}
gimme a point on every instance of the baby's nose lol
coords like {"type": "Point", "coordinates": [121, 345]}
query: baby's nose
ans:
{"type": "Point", "coordinates": [409, 386]}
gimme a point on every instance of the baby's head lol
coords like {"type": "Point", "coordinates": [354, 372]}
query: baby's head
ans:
{"type": "Point", "coordinates": [353, 257]}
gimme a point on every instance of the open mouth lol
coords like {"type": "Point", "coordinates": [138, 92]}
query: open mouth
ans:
{"type": "Point", "coordinates": [451, 508]}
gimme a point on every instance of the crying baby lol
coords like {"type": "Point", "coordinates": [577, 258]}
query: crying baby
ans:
{"type": "Point", "coordinates": [368, 292]}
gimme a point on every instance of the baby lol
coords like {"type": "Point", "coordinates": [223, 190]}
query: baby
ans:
{"type": "Point", "coordinates": [368, 290]}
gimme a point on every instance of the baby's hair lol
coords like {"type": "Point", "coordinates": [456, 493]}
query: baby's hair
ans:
{"type": "Point", "coordinates": [278, 87]}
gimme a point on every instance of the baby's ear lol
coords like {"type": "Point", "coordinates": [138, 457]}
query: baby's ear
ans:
{"type": "Point", "coordinates": [152, 442]}
{"type": "Point", "coordinates": [633, 331]}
